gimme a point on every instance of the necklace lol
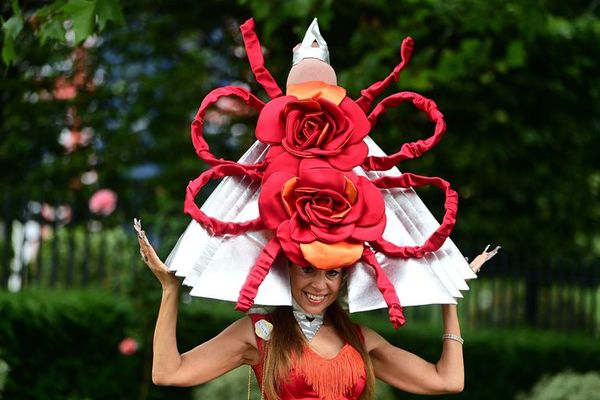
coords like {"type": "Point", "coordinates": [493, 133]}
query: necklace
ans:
{"type": "Point", "coordinates": [309, 323]}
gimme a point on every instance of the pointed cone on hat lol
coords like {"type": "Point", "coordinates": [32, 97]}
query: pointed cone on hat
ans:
{"type": "Point", "coordinates": [306, 48]}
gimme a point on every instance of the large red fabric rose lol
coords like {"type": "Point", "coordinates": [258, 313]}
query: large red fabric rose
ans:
{"type": "Point", "coordinates": [315, 127]}
{"type": "Point", "coordinates": [322, 214]}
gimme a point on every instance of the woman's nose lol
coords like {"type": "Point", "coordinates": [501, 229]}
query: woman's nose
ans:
{"type": "Point", "coordinates": [319, 281]}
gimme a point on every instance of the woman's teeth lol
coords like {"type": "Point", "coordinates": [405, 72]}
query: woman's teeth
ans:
{"type": "Point", "coordinates": [312, 297]}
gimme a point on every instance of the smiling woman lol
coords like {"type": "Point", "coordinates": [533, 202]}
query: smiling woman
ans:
{"type": "Point", "coordinates": [328, 218]}
{"type": "Point", "coordinates": [314, 290]}
{"type": "Point", "coordinates": [311, 350]}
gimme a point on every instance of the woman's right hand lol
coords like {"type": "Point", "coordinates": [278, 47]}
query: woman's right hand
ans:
{"type": "Point", "coordinates": [151, 259]}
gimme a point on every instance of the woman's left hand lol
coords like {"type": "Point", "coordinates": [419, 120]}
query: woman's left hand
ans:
{"type": "Point", "coordinates": [478, 262]}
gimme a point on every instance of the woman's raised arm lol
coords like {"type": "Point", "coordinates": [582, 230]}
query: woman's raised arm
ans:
{"type": "Point", "coordinates": [233, 347]}
{"type": "Point", "coordinates": [409, 372]}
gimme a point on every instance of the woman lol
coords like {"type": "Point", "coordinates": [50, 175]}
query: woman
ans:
{"type": "Point", "coordinates": [315, 292]}
{"type": "Point", "coordinates": [323, 215]}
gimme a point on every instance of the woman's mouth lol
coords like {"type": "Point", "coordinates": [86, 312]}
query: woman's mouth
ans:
{"type": "Point", "coordinates": [315, 299]}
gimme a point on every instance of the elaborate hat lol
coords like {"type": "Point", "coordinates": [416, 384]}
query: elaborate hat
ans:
{"type": "Point", "coordinates": [316, 190]}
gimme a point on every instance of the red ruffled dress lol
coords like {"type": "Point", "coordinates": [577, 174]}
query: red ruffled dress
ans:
{"type": "Point", "coordinates": [313, 377]}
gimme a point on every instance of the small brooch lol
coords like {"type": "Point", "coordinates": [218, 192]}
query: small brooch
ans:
{"type": "Point", "coordinates": [263, 329]}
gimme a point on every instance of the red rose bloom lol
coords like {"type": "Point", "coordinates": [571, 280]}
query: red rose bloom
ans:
{"type": "Point", "coordinates": [320, 210]}
{"type": "Point", "coordinates": [315, 128]}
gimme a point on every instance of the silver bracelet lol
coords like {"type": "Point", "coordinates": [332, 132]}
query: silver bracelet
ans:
{"type": "Point", "coordinates": [453, 337]}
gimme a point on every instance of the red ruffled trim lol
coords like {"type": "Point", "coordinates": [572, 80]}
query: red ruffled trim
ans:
{"type": "Point", "coordinates": [370, 93]}
{"type": "Point", "coordinates": [257, 61]}
{"type": "Point", "coordinates": [437, 238]}
{"type": "Point", "coordinates": [257, 275]}
{"type": "Point", "coordinates": [408, 150]}
{"type": "Point", "coordinates": [386, 288]}
{"type": "Point", "coordinates": [218, 227]}
{"type": "Point", "coordinates": [202, 148]}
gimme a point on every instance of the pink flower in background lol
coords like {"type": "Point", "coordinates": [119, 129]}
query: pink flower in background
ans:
{"type": "Point", "coordinates": [61, 213]}
{"type": "Point", "coordinates": [103, 202]}
{"type": "Point", "coordinates": [128, 346]}
{"type": "Point", "coordinates": [72, 139]}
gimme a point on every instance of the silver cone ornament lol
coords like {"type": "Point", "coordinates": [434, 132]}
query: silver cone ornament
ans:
{"type": "Point", "coordinates": [306, 49]}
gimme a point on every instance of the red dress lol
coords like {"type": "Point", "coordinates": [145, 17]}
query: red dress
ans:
{"type": "Point", "coordinates": [313, 377]}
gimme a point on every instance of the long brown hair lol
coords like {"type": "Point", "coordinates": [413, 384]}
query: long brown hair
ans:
{"type": "Point", "coordinates": [287, 341]}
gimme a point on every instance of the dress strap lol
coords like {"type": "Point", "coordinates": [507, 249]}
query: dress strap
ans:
{"type": "Point", "coordinates": [359, 332]}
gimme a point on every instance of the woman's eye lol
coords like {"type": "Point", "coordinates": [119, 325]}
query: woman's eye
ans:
{"type": "Point", "coordinates": [333, 273]}
{"type": "Point", "coordinates": [308, 270]}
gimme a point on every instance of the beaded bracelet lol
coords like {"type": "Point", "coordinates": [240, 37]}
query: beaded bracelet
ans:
{"type": "Point", "coordinates": [453, 337]}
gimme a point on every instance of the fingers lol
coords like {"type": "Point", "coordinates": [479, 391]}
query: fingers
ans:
{"type": "Point", "coordinates": [483, 258]}
{"type": "Point", "coordinates": [494, 252]}
{"type": "Point", "coordinates": [137, 225]}
{"type": "Point", "coordinates": [151, 259]}
{"type": "Point", "coordinates": [147, 252]}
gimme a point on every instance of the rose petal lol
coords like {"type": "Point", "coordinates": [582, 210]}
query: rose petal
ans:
{"type": "Point", "coordinates": [369, 233]}
{"type": "Point", "coordinates": [288, 196]}
{"type": "Point", "coordinates": [312, 163]}
{"type": "Point", "coordinates": [369, 208]}
{"type": "Point", "coordinates": [284, 162]}
{"type": "Point", "coordinates": [270, 126]}
{"type": "Point", "coordinates": [300, 232]}
{"type": "Point", "coordinates": [274, 152]}
{"type": "Point", "coordinates": [325, 178]}
{"type": "Point", "coordinates": [332, 234]}
{"type": "Point", "coordinates": [350, 157]}
{"type": "Point", "coordinates": [323, 215]}
{"type": "Point", "coordinates": [361, 125]}
{"type": "Point", "coordinates": [270, 204]}
{"type": "Point", "coordinates": [374, 199]}
{"type": "Point", "coordinates": [332, 255]}
{"type": "Point", "coordinates": [289, 246]}
{"type": "Point", "coordinates": [350, 189]}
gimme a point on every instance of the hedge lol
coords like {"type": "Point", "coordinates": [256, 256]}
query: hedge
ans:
{"type": "Point", "coordinates": [499, 363]}
{"type": "Point", "coordinates": [64, 345]}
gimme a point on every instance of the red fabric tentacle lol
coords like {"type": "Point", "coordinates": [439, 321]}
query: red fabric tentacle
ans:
{"type": "Point", "coordinates": [257, 275]}
{"type": "Point", "coordinates": [218, 227]}
{"type": "Point", "coordinates": [386, 288]}
{"type": "Point", "coordinates": [202, 148]}
{"type": "Point", "coordinates": [257, 62]}
{"type": "Point", "coordinates": [408, 150]}
{"type": "Point", "coordinates": [437, 238]}
{"type": "Point", "coordinates": [370, 93]}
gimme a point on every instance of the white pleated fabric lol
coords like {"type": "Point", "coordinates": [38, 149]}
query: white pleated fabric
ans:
{"type": "Point", "coordinates": [217, 266]}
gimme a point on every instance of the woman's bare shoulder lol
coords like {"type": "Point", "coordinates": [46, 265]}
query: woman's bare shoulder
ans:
{"type": "Point", "coordinates": [373, 340]}
{"type": "Point", "coordinates": [241, 329]}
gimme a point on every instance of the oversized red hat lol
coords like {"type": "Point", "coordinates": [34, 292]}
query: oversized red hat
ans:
{"type": "Point", "coordinates": [317, 190]}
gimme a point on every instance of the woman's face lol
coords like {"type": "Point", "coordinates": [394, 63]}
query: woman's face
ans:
{"type": "Point", "coordinates": [314, 289]}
